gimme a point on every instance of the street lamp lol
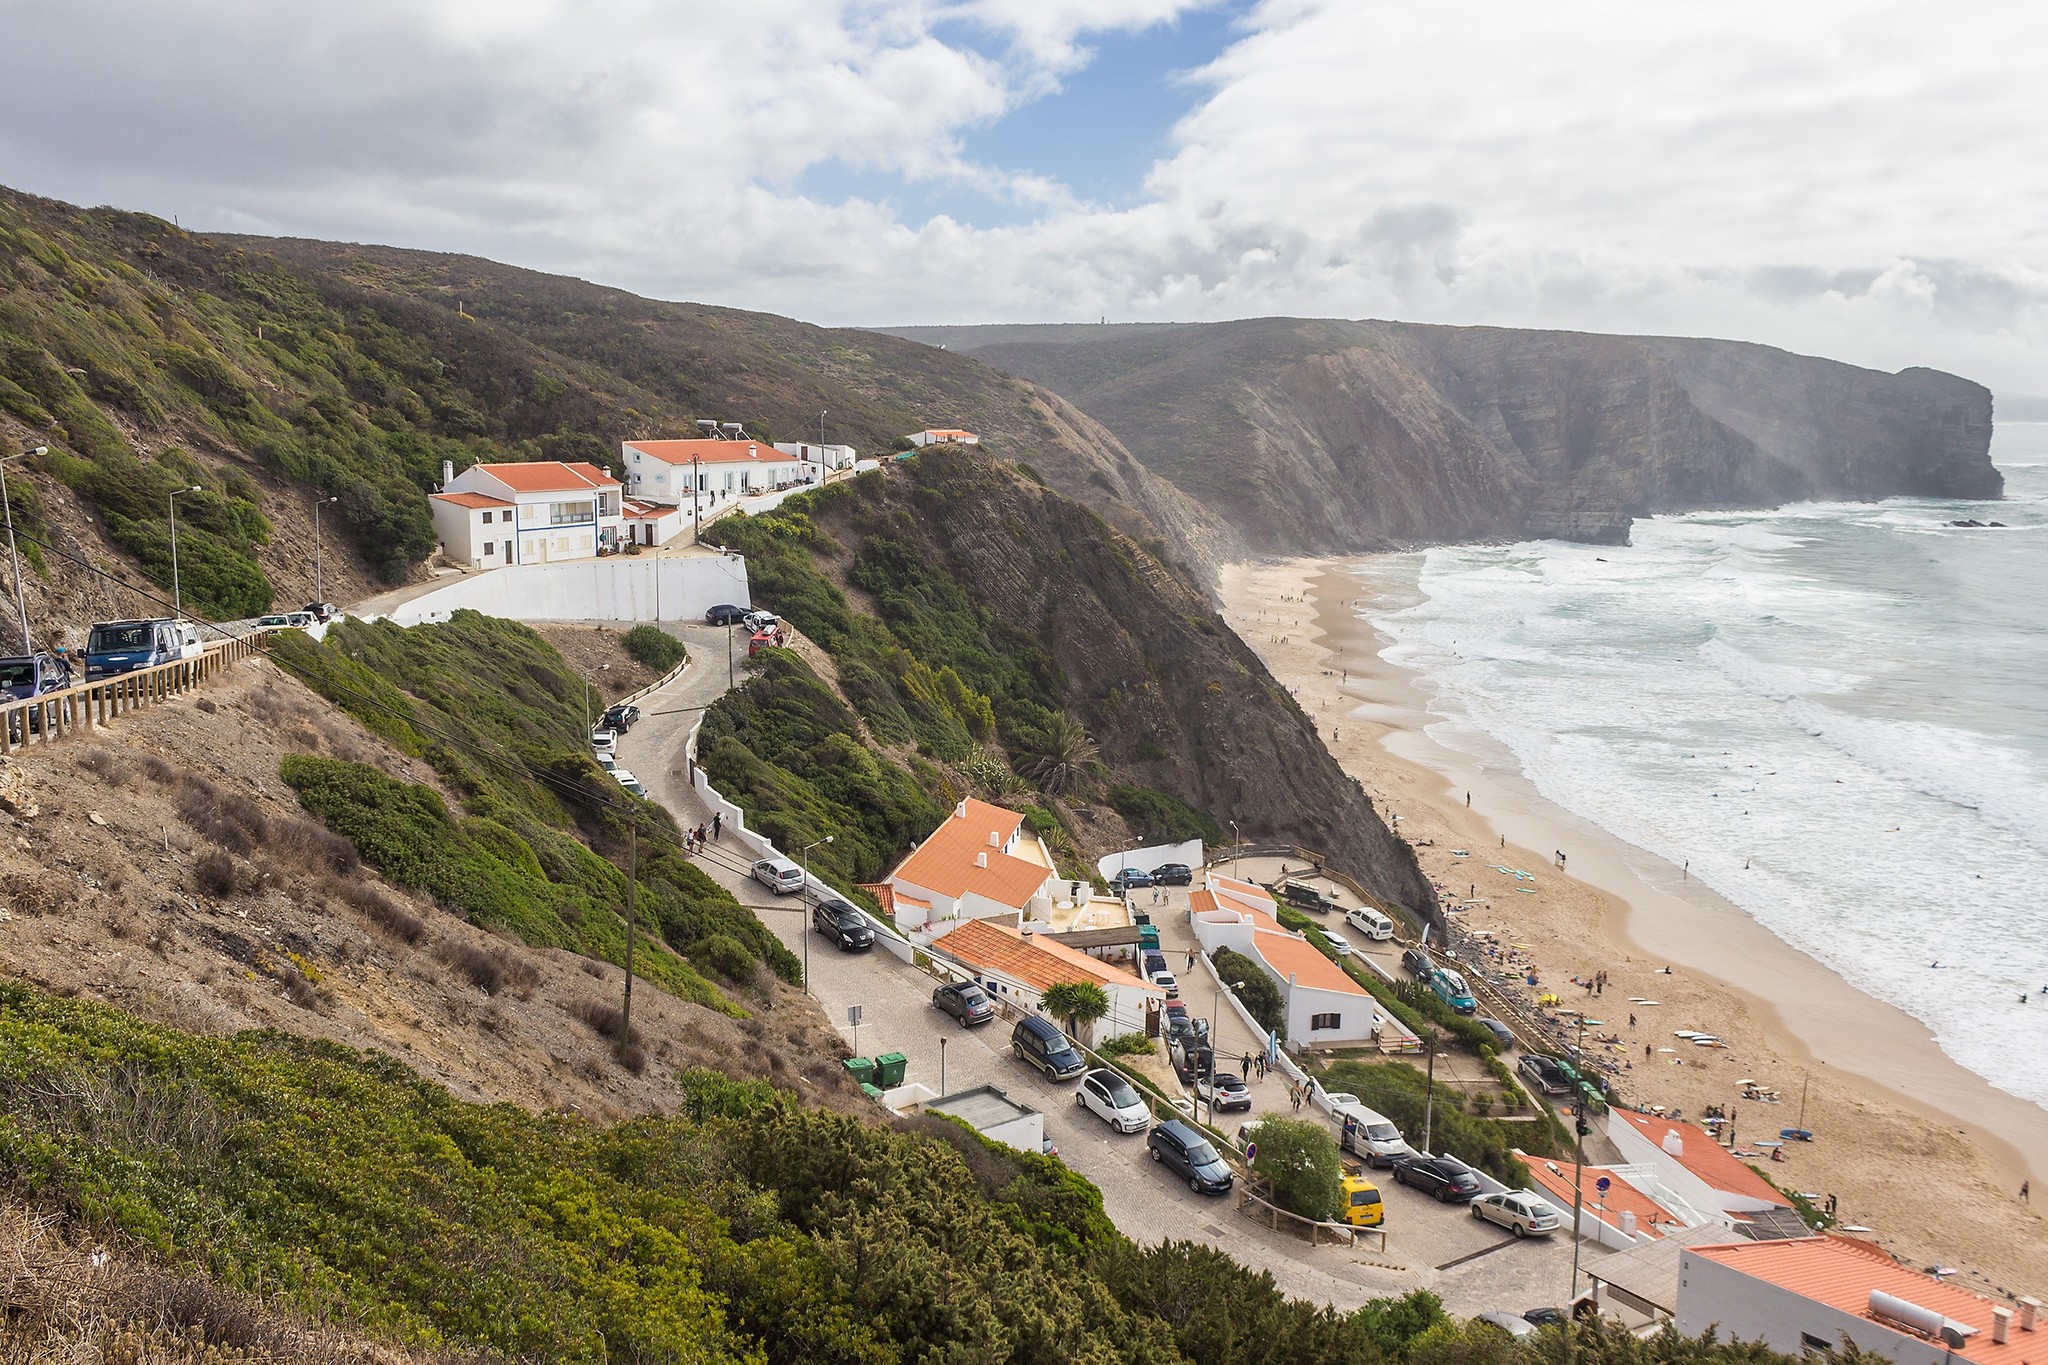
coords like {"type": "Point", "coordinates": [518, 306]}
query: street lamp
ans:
{"type": "Point", "coordinates": [821, 445]}
{"type": "Point", "coordinates": [1215, 1035]}
{"type": "Point", "coordinates": [20, 601]}
{"type": "Point", "coordinates": [177, 597]}
{"type": "Point", "coordinates": [319, 591]}
{"type": "Point", "coordinates": [1235, 845]}
{"type": "Point", "coordinates": [807, 891]}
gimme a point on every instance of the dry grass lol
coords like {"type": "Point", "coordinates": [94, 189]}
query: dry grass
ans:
{"type": "Point", "coordinates": [488, 970]}
{"type": "Point", "coordinates": [383, 910]}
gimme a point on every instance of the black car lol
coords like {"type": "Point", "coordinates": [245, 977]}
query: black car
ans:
{"type": "Point", "coordinates": [1306, 898]}
{"type": "Point", "coordinates": [1445, 1177]}
{"type": "Point", "coordinates": [965, 1001]}
{"type": "Point", "coordinates": [1130, 879]}
{"type": "Point", "coordinates": [1546, 1317]}
{"type": "Point", "coordinates": [1503, 1036]}
{"type": "Point", "coordinates": [321, 611]}
{"type": "Point", "coordinates": [843, 924]}
{"type": "Point", "coordinates": [1545, 1074]}
{"type": "Point", "coordinates": [1173, 874]}
{"type": "Point", "coordinates": [1183, 1149]}
{"type": "Point", "coordinates": [725, 614]}
{"type": "Point", "coordinates": [621, 717]}
{"type": "Point", "coordinates": [1416, 963]}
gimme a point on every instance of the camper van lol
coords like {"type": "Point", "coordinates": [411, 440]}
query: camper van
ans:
{"type": "Point", "coordinates": [1370, 922]}
{"type": "Point", "coordinates": [117, 647]}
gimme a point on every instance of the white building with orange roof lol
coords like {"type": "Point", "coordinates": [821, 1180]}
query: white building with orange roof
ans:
{"type": "Point", "coordinates": [1696, 1169]}
{"type": "Point", "coordinates": [943, 436]}
{"type": "Point", "coordinates": [716, 470]}
{"type": "Point", "coordinates": [1020, 965]}
{"type": "Point", "coordinates": [1799, 1296]}
{"type": "Point", "coordinates": [1324, 1006]}
{"type": "Point", "coordinates": [540, 512]}
{"type": "Point", "coordinates": [1613, 1210]}
{"type": "Point", "coordinates": [980, 863]}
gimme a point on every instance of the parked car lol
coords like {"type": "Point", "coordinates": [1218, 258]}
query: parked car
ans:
{"type": "Point", "coordinates": [1173, 874]}
{"type": "Point", "coordinates": [1554, 1317]}
{"type": "Point", "coordinates": [779, 875]}
{"type": "Point", "coordinates": [608, 762]}
{"type": "Point", "coordinates": [840, 922]}
{"type": "Point", "coordinates": [1339, 945]}
{"type": "Point", "coordinates": [1544, 1073]}
{"type": "Point", "coordinates": [965, 1001]}
{"type": "Point", "coordinates": [117, 647]}
{"type": "Point", "coordinates": [1363, 1206]}
{"type": "Point", "coordinates": [621, 717]}
{"type": "Point", "coordinates": [321, 611]}
{"type": "Point", "coordinates": [27, 676]}
{"type": "Point", "coordinates": [1367, 1133]}
{"type": "Point", "coordinates": [758, 621]}
{"type": "Point", "coordinates": [1416, 963]}
{"type": "Point", "coordinates": [1038, 1043]}
{"type": "Point", "coordinates": [1130, 879]}
{"type": "Point", "coordinates": [1114, 1100]}
{"type": "Point", "coordinates": [1306, 898]}
{"type": "Point", "coordinates": [304, 620]}
{"type": "Point", "coordinates": [604, 741]}
{"type": "Point", "coordinates": [1370, 922]}
{"type": "Point", "coordinates": [1502, 1034]}
{"type": "Point", "coordinates": [1519, 1212]}
{"type": "Point", "coordinates": [1225, 1091]}
{"type": "Point", "coordinates": [1168, 982]}
{"type": "Point", "coordinates": [725, 614]}
{"type": "Point", "coordinates": [1509, 1323]}
{"type": "Point", "coordinates": [1155, 962]}
{"type": "Point", "coordinates": [274, 621]}
{"type": "Point", "coordinates": [1183, 1149]}
{"type": "Point", "coordinates": [629, 782]}
{"type": "Point", "coordinates": [1445, 1177]}
{"type": "Point", "coordinates": [1452, 990]}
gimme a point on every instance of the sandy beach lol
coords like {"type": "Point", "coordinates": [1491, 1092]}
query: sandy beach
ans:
{"type": "Point", "coordinates": [1917, 1148]}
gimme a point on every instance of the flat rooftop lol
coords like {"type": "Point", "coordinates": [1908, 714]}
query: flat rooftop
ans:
{"type": "Point", "coordinates": [981, 1108]}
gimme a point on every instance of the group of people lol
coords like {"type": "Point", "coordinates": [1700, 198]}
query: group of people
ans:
{"type": "Point", "coordinates": [694, 840]}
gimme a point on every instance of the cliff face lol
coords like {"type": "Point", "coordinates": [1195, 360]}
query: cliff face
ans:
{"type": "Point", "coordinates": [1325, 435]}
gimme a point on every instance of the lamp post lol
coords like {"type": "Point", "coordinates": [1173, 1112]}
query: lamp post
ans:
{"type": "Point", "coordinates": [177, 597]}
{"type": "Point", "coordinates": [807, 891]}
{"type": "Point", "coordinates": [1235, 845]}
{"type": "Point", "coordinates": [20, 600]}
{"type": "Point", "coordinates": [1578, 1161]}
{"type": "Point", "coordinates": [821, 445]}
{"type": "Point", "coordinates": [319, 588]}
{"type": "Point", "coordinates": [1429, 1093]}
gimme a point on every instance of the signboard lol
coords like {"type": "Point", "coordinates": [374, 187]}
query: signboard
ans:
{"type": "Point", "coordinates": [1251, 1152]}
{"type": "Point", "coordinates": [853, 1016]}
{"type": "Point", "coordinates": [1603, 1184]}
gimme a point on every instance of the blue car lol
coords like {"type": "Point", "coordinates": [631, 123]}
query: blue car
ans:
{"type": "Point", "coordinates": [1130, 879]}
{"type": "Point", "coordinates": [1452, 990]}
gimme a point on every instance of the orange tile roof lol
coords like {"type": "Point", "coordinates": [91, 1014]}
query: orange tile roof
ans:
{"type": "Point", "coordinates": [708, 451]}
{"type": "Point", "coordinates": [1840, 1272]}
{"type": "Point", "coordinates": [1705, 1158]}
{"type": "Point", "coordinates": [649, 511]}
{"type": "Point", "coordinates": [472, 500]}
{"type": "Point", "coordinates": [1555, 1178]}
{"type": "Point", "coordinates": [1298, 958]}
{"type": "Point", "coordinates": [944, 431]}
{"type": "Point", "coordinates": [1038, 962]}
{"type": "Point", "coordinates": [549, 476]}
{"type": "Point", "coordinates": [945, 862]}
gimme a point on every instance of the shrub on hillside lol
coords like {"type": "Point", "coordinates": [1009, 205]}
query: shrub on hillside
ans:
{"type": "Point", "coordinates": [1156, 817]}
{"type": "Point", "coordinates": [655, 647]}
{"type": "Point", "coordinates": [1300, 1158]}
{"type": "Point", "coordinates": [1399, 1091]}
{"type": "Point", "coordinates": [1259, 992]}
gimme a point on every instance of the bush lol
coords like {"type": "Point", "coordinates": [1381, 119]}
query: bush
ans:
{"type": "Point", "coordinates": [727, 956]}
{"type": "Point", "coordinates": [655, 647]}
{"type": "Point", "coordinates": [214, 874]}
{"type": "Point", "coordinates": [1400, 1091]}
{"type": "Point", "coordinates": [1300, 1158]}
{"type": "Point", "coordinates": [1157, 817]}
{"type": "Point", "coordinates": [1259, 992]}
{"type": "Point", "coordinates": [486, 970]}
{"type": "Point", "coordinates": [1128, 1045]}
{"type": "Point", "coordinates": [387, 914]}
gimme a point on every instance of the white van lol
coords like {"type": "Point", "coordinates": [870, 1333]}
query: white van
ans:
{"type": "Point", "coordinates": [1370, 922]}
{"type": "Point", "coordinates": [1367, 1133]}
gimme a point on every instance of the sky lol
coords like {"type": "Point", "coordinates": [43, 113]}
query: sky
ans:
{"type": "Point", "coordinates": [1854, 178]}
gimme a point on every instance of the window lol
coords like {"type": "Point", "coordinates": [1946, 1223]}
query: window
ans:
{"type": "Point", "coordinates": [565, 513]}
{"type": "Point", "coordinates": [487, 518]}
{"type": "Point", "coordinates": [1323, 1021]}
{"type": "Point", "coordinates": [1809, 1344]}
{"type": "Point", "coordinates": [490, 548]}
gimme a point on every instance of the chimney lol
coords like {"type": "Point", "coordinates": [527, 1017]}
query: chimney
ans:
{"type": "Point", "coordinates": [995, 839]}
{"type": "Point", "coordinates": [981, 860]}
{"type": "Point", "coordinates": [1628, 1223]}
{"type": "Point", "coordinates": [2030, 1308]}
{"type": "Point", "coordinates": [960, 811]}
{"type": "Point", "coordinates": [2001, 1325]}
{"type": "Point", "coordinates": [447, 474]}
{"type": "Point", "coordinates": [1673, 1143]}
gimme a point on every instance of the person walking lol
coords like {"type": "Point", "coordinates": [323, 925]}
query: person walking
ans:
{"type": "Point", "coordinates": [2025, 1185]}
{"type": "Point", "coordinates": [1247, 1067]}
{"type": "Point", "coordinates": [717, 823]}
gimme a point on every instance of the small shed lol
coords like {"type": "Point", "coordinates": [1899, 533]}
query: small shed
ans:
{"type": "Point", "coordinates": [995, 1115]}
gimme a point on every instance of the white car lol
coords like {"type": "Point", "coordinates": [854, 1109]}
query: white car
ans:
{"type": "Point", "coordinates": [760, 620]}
{"type": "Point", "coordinates": [779, 875]}
{"type": "Point", "coordinates": [1339, 945]}
{"type": "Point", "coordinates": [604, 742]}
{"type": "Point", "coordinates": [622, 775]}
{"type": "Point", "coordinates": [632, 784]}
{"type": "Point", "coordinates": [1519, 1212]}
{"type": "Point", "coordinates": [1166, 981]}
{"type": "Point", "coordinates": [1114, 1100]}
{"type": "Point", "coordinates": [608, 762]}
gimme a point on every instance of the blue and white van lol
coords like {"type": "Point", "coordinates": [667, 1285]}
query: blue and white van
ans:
{"type": "Point", "coordinates": [117, 647]}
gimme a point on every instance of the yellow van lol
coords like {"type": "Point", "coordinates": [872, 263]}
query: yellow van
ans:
{"type": "Point", "coordinates": [1362, 1206]}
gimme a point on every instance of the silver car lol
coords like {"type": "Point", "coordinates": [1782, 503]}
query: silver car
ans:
{"type": "Point", "coordinates": [1519, 1212]}
{"type": "Point", "coordinates": [779, 875]}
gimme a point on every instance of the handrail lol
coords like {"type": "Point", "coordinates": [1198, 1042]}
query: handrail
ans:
{"type": "Point", "coordinates": [53, 715]}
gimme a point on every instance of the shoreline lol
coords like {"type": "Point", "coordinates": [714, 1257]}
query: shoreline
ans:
{"type": "Point", "coordinates": [1934, 1188]}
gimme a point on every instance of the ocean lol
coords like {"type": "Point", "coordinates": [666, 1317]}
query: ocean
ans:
{"type": "Point", "coordinates": [1836, 714]}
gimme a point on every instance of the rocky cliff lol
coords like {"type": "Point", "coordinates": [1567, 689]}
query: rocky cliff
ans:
{"type": "Point", "coordinates": [1325, 435]}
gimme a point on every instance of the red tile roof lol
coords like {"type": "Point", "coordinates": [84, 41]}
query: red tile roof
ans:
{"type": "Point", "coordinates": [1704, 1157]}
{"type": "Point", "coordinates": [1555, 1178]}
{"type": "Point", "coordinates": [712, 452]}
{"type": "Point", "coordinates": [1289, 956]}
{"type": "Point", "coordinates": [1840, 1272]}
{"type": "Point", "coordinates": [944, 431]}
{"type": "Point", "coordinates": [549, 476]}
{"type": "Point", "coordinates": [946, 862]}
{"type": "Point", "coordinates": [1037, 962]}
{"type": "Point", "coordinates": [471, 500]}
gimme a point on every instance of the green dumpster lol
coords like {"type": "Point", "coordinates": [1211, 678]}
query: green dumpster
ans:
{"type": "Point", "coordinates": [1148, 938]}
{"type": "Point", "coordinates": [863, 1069]}
{"type": "Point", "coordinates": [889, 1069]}
{"type": "Point", "coordinates": [871, 1093]}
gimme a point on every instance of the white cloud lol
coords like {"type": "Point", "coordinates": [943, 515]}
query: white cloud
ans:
{"type": "Point", "coordinates": [1853, 177]}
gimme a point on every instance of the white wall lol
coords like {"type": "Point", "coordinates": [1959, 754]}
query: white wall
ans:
{"type": "Point", "coordinates": [1149, 857]}
{"type": "Point", "coordinates": [1305, 1002]}
{"type": "Point", "coordinates": [621, 588]}
{"type": "Point", "coordinates": [1748, 1309]}
{"type": "Point", "coordinates": [1635, 1148]}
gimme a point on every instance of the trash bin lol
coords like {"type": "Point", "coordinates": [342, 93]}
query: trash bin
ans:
{"type": "Point", "coordinates": [889, 1069]}
{"type": "Point", "coordinates": [862, 1069]}
{"type": "Point", "coordinates": [871, 1092]}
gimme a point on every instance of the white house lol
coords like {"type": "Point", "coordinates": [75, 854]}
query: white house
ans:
{"type": "Point", "coordinates": [1805, 1295]}
{"type": "Point", "coordinates": [542, 512]}
{"type": "Point", "coordinates": [943, 436]}
{"type": "Point", "coordinates": [1324, 1005]}
{"type": "Point", "coordinates": [979, 863]}
{"type": "Point", "coordinates": [1691, 1165]}
{"type": "Point", "coordinates": [821, 456]}
{"type": "Point", "coordinates": [719, 470]}
{"type": "Point", "coordinates": [1020, 965]}
{"type": "Point", "coordinates": [652, 523]}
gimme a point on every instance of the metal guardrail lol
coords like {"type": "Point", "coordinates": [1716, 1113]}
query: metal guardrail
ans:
{"type": "Point", "coordinates": [54, 715]}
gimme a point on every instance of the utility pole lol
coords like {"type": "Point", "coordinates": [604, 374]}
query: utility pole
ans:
{"type": "Point", "coordinates": [1235, 845]}
{"type": "Point", "coordinates": [696, 500]}
{"type": "Point", "coordinates": [1578, 1170]}
{"type": "Point", "coordinates": [177, 597]}
{"type": "Point", "coordinates": [1429, 1095]}
{"type": "Point", "coordinates": [632, 925]}
{"type": "Point", "coordinates": [821, 447]}
{"type": "Point", "coordinates": [319, 591]}
{"type": "Point", "coordinates": [20, 599]}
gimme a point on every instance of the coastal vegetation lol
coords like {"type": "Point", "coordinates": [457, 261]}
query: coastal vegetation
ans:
{"type": "Point", "coordinates": [1402, 1093]}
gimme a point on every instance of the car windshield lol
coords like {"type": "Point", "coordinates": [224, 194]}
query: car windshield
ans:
{"type": "Point", "coordinates": [972, 996]}
{"type": "Point", "coordinates": [1119, 1092]}
{"type": "Point", "coordinates": [1382, 1132]}
{"type": "Point", "coordinates": [1202, 1154]}
{"type": "Point", "coordinates": [106, 639]}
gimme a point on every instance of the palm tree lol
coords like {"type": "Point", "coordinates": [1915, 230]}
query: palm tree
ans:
{"type": "Point", "coordinates": [1063, 756]}
{"type": "Point", "coordinates": [1078, 1002]}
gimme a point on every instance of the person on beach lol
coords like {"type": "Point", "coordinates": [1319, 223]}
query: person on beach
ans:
{"type": "Point", "coordinates": [2025, 1185]}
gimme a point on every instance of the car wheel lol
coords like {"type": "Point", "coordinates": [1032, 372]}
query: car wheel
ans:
{"type": "Point", "coordinates": [1080, 1101]}
{"type": "Point", "coordinates": [1194, 1184]}
{"type": "Point", "coordinates": [1520, 1231]}
{"type": "Point", "coordinates": [1444, 1195]}
{"type": "Point", "coordinates": [1155, 1154]}
{"type": "Point", "coordinates": [1478, 1214]}
{"type": "Point", "coordinates": [1400, 1177]}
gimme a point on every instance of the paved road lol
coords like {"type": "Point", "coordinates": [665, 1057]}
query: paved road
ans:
{"type": "Point", "coordinates": [1426, 1242]}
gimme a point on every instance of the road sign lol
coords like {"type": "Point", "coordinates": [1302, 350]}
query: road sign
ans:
{"type": "Point", "coordinates": [1251, 1152]}
{"type": "Point", "coordinates": [1603, 1184]}
{"type": "Point", "coordinates": [853, 1016]}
